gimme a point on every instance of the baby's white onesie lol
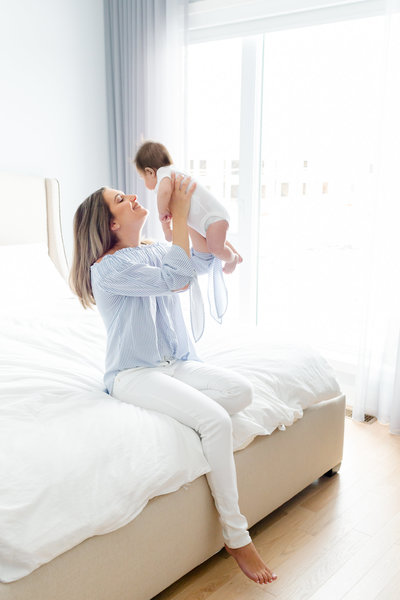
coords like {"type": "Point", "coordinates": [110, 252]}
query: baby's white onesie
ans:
{"type": "Point", "coordinates": [204, 207]}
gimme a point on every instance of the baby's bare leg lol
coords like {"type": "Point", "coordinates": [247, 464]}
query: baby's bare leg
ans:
{"type": "Point", "coordinates": [216, 242]}
{"type": "Point", "coordinates": [234, 251]}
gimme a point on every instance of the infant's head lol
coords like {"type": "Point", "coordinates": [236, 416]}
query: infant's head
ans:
{"type": "Point", "coordinates": [150, 157]}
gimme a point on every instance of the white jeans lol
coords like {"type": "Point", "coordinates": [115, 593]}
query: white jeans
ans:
{"type": "Point", "coordinates": [202, 397]}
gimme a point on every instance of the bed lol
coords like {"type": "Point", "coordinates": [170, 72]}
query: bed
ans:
{"type": "Point", "coordinates": [95, 492]}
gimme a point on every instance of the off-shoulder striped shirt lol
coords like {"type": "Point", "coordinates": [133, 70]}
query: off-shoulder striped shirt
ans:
{"type": "Point", "coordinates": [134, 293]}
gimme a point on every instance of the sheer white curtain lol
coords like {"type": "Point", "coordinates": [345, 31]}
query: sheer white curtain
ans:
{"type": "Point", "coordinates": [378, 376]}
{"type": "Point", "coordinates": [145, 57]}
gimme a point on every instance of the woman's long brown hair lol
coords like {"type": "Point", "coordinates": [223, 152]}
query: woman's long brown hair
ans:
{"type": "Point", "coordinates": [92, 239]}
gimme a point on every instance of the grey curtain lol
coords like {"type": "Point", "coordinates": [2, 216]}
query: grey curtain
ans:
{"type": "Point", "coordinates": [145, 58]}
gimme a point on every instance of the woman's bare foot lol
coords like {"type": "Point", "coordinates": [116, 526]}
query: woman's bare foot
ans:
{"type": "Point", "coordinates": [251, 563]}
{"type": "Point", "coordinates": [229, 267]}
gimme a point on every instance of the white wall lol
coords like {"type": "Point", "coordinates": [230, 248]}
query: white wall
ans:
{"type": "Point", "coordinates": [53, 96]}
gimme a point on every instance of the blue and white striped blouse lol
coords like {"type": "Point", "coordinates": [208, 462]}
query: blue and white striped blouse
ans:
{"type": "Point", "coordinates": [134, 292]}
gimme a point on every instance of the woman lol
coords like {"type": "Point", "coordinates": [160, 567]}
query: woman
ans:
{"type": "Point", "coordinates": [150, 359]}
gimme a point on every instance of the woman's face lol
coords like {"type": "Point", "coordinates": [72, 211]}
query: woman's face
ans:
{"type": "Point", "coordinates": [128, 214]}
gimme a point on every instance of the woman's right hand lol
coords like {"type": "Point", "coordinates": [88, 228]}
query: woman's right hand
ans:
{"type": "Point", "coordinates": [182, 192]}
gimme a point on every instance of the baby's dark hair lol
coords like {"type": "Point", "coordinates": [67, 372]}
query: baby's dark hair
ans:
{"type": "Point", "coordinates": [153, 155]}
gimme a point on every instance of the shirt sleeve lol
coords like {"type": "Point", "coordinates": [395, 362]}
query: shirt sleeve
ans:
{"type": "Point", "coordinates": [202, 261]}
{"type": "Point", "coordinates": [205, 262]}
{"type": "Point", "coordinates": [118, 276]}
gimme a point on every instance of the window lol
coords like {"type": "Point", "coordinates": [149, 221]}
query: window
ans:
{"type": "Point", "coordinates": [319, 130]}
{"type": "Point", "coordinates": [213, 133]}
{"type": "Point", "coordinates": [214, 88]}
{"type": "Point", "coordinates": [287, 123]}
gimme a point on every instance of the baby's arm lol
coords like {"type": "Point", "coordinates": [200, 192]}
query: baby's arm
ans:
{"type": "Point", "coordinates": [163, 199]}
{"type": "Point", "coordinates": [167, 229]}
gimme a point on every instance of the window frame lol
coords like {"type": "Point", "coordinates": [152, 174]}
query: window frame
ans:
{"type": "Point", "coordinates": [211, 20]}
{"type": "Point", "coordinates": [250, 171]}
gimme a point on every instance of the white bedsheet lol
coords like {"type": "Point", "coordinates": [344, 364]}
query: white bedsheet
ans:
{"type": "Point", "coordinates": [74, 462]}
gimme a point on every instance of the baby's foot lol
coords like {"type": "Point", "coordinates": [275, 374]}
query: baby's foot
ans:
{"type": "Point", "coordinates": [229, 267]}
{"type": "Point", "coordinates": [252, 564]}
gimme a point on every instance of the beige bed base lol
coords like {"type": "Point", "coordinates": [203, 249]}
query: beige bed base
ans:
{"type": "Point", "coordinates": [177, 531]}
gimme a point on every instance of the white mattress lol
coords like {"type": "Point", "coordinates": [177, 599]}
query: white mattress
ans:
{"type": "Point", "coordinates": [74, 462]}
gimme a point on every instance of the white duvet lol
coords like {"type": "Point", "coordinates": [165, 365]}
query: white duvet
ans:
{"type": "Point", "coordinates": [75, 462]}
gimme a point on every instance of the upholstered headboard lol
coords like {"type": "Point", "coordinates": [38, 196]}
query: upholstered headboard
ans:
{"type": "Point", "coordinates": [30, 212]}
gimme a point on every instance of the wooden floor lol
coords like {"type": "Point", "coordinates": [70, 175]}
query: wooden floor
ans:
{"type": "Point", "coordinates": [339, 538]}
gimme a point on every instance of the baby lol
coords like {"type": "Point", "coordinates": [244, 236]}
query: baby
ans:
{"type": "Point", "coordinates": [207, 216]}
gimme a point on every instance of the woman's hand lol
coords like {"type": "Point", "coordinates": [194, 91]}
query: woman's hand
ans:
{"type": "Point", "coordinates": [181, 196]}
{"type": "Point", "coordinates": [179, 207]}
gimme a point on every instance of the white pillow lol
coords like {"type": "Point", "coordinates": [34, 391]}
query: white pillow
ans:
{"type": "Point", "coordinates": [28, 276]}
